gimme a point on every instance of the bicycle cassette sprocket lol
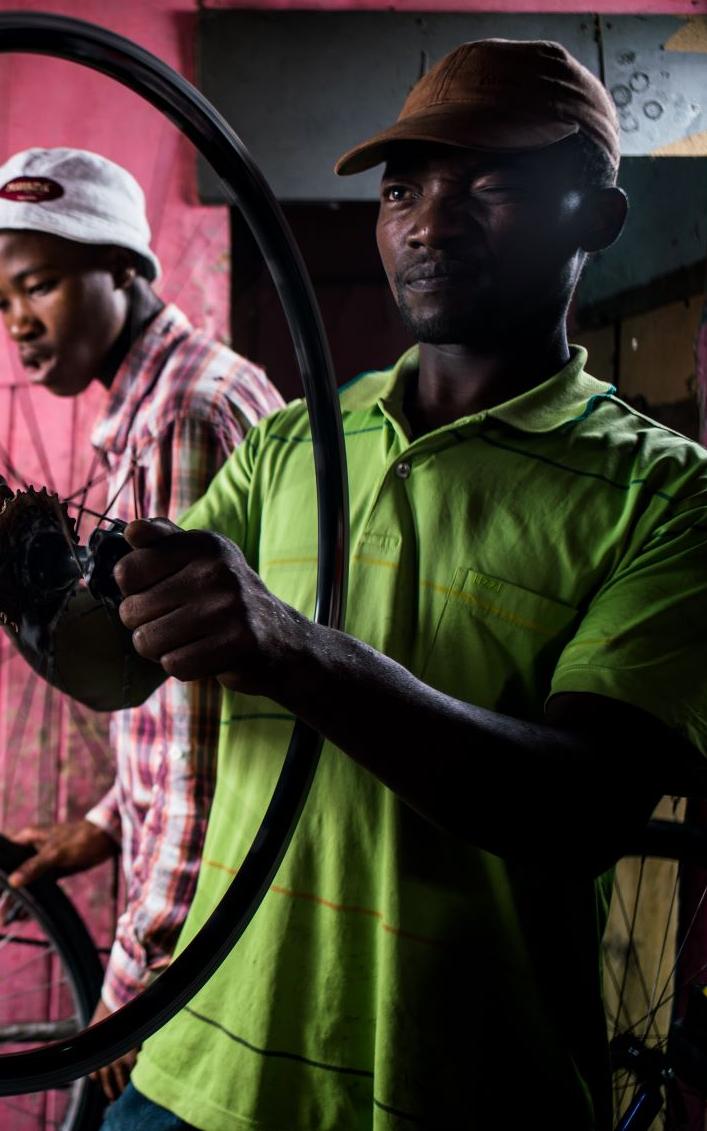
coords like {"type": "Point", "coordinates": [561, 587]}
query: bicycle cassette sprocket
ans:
{"type": "Point", "coordinates": [59, 601]}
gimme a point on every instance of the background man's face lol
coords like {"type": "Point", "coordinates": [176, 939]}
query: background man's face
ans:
{"type": "Point", "coordinates": [476, 245]}
{"type": "Point", "coordinates": [61, 307]}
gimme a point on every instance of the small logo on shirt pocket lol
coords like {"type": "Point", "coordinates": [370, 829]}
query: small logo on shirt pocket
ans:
{"type": "Point", "coordinates": [484, 582]}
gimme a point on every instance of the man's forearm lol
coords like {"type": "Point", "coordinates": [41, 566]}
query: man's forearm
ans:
{"type": "Point", "coordinates": [506, 784]}
{"type": "Point", "coordinates": [196, 606]}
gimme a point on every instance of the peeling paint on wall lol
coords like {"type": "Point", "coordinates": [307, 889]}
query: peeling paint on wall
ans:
{"type": "Point", "coordinates": [692, 36]}
{"type": "Point", "coordinates": [695, 145]}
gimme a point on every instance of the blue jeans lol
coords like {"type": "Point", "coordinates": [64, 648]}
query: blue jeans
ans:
{"type": "Point", "coordinates": [134, 1112]}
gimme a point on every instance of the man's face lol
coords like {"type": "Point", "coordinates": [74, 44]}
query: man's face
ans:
{"type": "Point", "coordinates": [476, 245]}
{"type": "Point", "coordinates": [61, 307]}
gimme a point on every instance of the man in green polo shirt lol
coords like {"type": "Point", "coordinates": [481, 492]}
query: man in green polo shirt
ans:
{"type": "Point", "coordinates": [520, 678]}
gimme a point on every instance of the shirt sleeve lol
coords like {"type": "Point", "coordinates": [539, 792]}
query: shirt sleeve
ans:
{"type": "Point", "coordinates": [105, 814]}
{"type": "Point", "coordinates": [166, 866]}
{"type": "Point", "coordinates": [182, 755]}
{"type": "Point", "coordinates": [232, 494]}
{"type": "Point", "coordinates": [642, 639]}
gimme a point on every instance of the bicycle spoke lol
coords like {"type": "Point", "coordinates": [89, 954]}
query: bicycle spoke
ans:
{"type": "Point", "coordinates": [25, 965]}
{"type": "Point", "coordinates": [19, 940]}
{"type": "Point", "coordinates": [86, 487]}
{"type": "Point", "coordinates": [27, 408]}
{"type": "Point", "coordinates": [22, 1110]}
{"type": "Point", "coordinates": [126, 482]}
{"type": "Point", "coordinates": [92, 481]}
{"type": "Point", "coordinates": [23, 1032]}
{"type": "Point", "coordinates": [7, 940]}
{"type": "Point", "coordinates": [630, 925]}
{"type": "Point", "coordinates": [10, 469]}
{"type": "Point", "coordinates": [687, 980]}
{"type": "Point", "coordinates": [88, 733]}
{"type": "Point", "coordinates": [46, 799]}
{"type": "Point", "coordinates": [16, 736]}
{"type": "Point", "coordinates": [652, 1005]}
{"type": "Point", "coordinates": [683, 943]}
{"type": "Point", "coordinates": [36, 988]}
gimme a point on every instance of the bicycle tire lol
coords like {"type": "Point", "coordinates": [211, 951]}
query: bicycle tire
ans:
{"type": "Point", "coordinates": [65, 935]}
{"type": "Point", "coordinates": [653, 1061]}
{"type": "Point", "coordinates": [113, 55]}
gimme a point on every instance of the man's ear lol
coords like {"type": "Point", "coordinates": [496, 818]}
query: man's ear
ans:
{"type": "Point", "coordinates": [601, 218]}
{"type": "Point", "coordinates": [122, 266]}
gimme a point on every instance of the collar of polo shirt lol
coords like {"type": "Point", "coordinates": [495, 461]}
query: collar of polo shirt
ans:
{"type": "Point", "coordinates": [564, 398]}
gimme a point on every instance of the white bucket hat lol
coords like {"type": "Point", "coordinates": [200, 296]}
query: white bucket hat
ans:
{"type": "Point", "coordinates": [77, 195]}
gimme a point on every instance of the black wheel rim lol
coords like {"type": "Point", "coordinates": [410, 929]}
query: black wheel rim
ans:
{"type": "Point", "coordinates": [129, 64]}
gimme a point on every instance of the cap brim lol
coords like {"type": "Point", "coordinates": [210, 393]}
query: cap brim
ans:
{"type": "Point", "coordinates": [28, 217]}
{"type": "Point", "coordinates": [462, 126]}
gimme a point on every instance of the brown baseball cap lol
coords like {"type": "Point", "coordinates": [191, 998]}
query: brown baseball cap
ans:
{"type": "Point", "coordinates": [501, 94]}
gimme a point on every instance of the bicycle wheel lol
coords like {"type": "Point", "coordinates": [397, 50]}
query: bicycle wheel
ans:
{"type": "Point", "coordinates": [50, 981]}
{"type": "Point", "coordinates": [654, 975]}
{"type": "Point", "coordinates": [165, 89]}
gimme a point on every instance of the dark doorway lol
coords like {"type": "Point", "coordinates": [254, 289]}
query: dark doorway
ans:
{"type": "Point", "coordinates": [338, 244]}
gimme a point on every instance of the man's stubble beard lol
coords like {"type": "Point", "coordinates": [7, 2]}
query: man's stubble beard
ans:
{"type": "Point", "coordinates": [485, 324]}
{"type": "Point", "coordinates": [479, 325]}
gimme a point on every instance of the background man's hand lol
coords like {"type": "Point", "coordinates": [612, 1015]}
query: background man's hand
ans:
{"type": "Point", "coordinates": [196, 607]}
{"type": "Point", "coordinates": [71, 846]}
{"type": "Point", "coordinates": [113, 1078]}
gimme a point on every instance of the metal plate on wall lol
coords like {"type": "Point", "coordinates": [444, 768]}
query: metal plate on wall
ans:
{"type": "Point", "coordinates": [301, 88]}
{"type": "Point", "coordinates": [658, 84]}
{"type": "Point", "coordinates": [666, 228]}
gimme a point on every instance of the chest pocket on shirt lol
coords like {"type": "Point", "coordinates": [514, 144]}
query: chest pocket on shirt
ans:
{"type": "Point", "coordinates": [496, 644]}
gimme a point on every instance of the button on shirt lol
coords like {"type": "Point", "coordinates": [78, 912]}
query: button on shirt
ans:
{"type": "Point", "coordinates": [179, 405]}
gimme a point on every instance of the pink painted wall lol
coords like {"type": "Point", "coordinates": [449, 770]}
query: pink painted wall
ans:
{"type": "Point", "coordinates": [54, 757]}
{"type": "Point", "coordinates": [561, 7]}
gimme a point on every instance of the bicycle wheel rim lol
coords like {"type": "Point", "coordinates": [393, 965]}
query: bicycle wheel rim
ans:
{"type": "Point", "coordinates": [119, 58]}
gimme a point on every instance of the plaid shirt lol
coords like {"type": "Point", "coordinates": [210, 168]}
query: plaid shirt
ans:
{"type": "Point", "coordinates": [179, 405]}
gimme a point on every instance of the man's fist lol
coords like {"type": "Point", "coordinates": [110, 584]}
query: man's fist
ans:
{"type": "Point", "coordinates": [196, 607]}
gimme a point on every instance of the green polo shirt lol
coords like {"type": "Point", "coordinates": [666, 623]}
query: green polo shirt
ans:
{"type": "Point", "coordinates": [395, 976]}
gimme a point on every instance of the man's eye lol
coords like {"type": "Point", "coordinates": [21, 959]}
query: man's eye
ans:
{"type": "Point", "coordinates": [396, 193]}
{"type": "Point", "coordinates": [500, 191]}
{"type": "Point", "coordinates": [42, 288]}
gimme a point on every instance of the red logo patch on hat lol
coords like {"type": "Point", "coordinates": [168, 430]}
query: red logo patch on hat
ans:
{"type": "Point", "coordinates": [31, 190]}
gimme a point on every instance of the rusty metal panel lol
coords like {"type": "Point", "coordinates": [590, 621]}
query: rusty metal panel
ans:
{"type": "Point", "coordinates": [302, 87]}
{"type": "Point", "coordinates": [666, 228]}
{"type": "Point", "coordinates": [672, 7]}
{"type": "Point", "coordinates": [656, 70]}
